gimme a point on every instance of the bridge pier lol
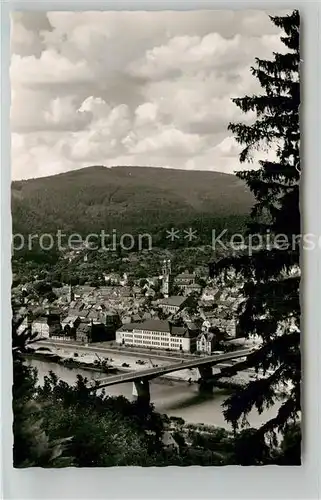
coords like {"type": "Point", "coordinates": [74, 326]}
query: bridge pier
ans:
{"type": "Point", "coordinates": [206, 374]}
{"type": "Point", "coordinates": [141, 391]}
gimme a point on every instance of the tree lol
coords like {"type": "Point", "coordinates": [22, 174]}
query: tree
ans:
{"type": "Point", "coordinates": [130, 282]}
{"type": "Point", "coordinates": [58, 425]}
{"type": "Point", "coordinates": [272, 308]}
{"type": "Point", "coordinates": [192, 303]}
{"type": "Point", "coordinates": [32, 446]}
{"type": "Point", "coordinates": [290, 449]}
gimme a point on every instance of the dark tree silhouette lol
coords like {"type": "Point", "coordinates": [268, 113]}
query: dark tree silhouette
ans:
{"type": "Point", "coordinates": [32, 447]}
{"type": "Point", "coordinates": [271, 274]}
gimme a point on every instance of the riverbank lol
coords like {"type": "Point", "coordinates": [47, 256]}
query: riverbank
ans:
{"type": "Point", "coordinates": [72, 362]}
{"type": "Point", "coordinates": [129, 359]}
{"type": "Point", "coordinates": [110, 348]}
{"type": "Point", "coordinates": [95, 357]}
{"type": "Point", "coordinates": [175, 398]}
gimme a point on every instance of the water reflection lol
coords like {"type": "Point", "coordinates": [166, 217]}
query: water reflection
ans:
{"type": "Point", "coordinates": [195, 399]}
{"type": "Point", "coordinates": [177, 399]}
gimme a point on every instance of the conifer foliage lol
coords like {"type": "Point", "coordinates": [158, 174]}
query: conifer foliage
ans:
{"type": "Point", "coordinates": [271, 274]}
{"type": "Point", "coordinates": [32, 446]}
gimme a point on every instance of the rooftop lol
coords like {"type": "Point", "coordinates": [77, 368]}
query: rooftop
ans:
{"type": "Point", "coordinates": [41, 319]}
{"type": "Point", "coordinates": [207, 335]}
{"type": "Point", "coordinates": [185, 275]}
{"type": "Point", "coordinates": [156, 325]}
{"type": "Point", "coordinates": [78, 312]}
{"type": "Point", "coordinates": [83, 289]}
{"type": "Point", "coordinates": [175, 300]}
{"type": "Point", "coordinates": [84, 327]}
{"type": "Point", "coordinates": [69, 319]}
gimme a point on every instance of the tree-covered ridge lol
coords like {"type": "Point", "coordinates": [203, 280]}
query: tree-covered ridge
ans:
{"type": "Point", "coordinates": [126, 199]}
{"type": "Point", "coordinates": [272, 308]}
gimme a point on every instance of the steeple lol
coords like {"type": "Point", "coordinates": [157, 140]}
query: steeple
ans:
{"type": "Point", "coordinates": [166, 271]}
{"type": "Point", "coordinates": [71, 295]}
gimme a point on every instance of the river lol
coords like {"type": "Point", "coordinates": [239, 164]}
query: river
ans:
{"type": "Point", "coordinates": [175, 398]}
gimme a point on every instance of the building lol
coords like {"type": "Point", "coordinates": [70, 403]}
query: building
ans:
{"type": "Point", "coordinates": [166, 277]}
{"type": "Point", "coordinates": [83, 291]}
{"type": "Point", "coordinates": [137, 291]}
{"type": "Point", "coordinates": [126, 319]}
{"type": "Point", "coordinates": [71, 295]}
{"type": "Point", "coordinates": [99, 333]}
{"type": "Point", "coordinates": [25, 326]}
{"type": "Point", "coordinates": [113, 278]}
{"type": "Point", "coordinates": [184, 279]}
{"type": "Point", "coordinates": [69, 325]}
{"type": "Point", "coordinates": [54, 323]}
{"type": "Point", "coordinates": [136, 318]}
{"type": "Point", "coordinates": [112, 318]}
{"type": "Point", "coordinates": [40, 327]}
{"type": "Point", "coordinates": [205, 342]}
{"type": "Point", "coordinates": [169, 441]}
{"type": "Point", "coordinates": [228, 325]}
{"type": "Point", "coordinates": [62, 291]}
{"type": "Point", "coordinates": [148, 291]}
{"type": "Point", "coordinates": [186, 283]}
{"type": "Point", "coordinates": [81, 312]}
{"type": "Point", "coordinates": [225, 322]}
{"type": "Point", "coordinates": [83, 332]}
{"type": "Point", "coordinates": [210, 294]}
{"type": "Point", "coordinates": [171, 305]}
{"type": "Point", "coordinates": [157, 334]}
{"type": "Point", "coordinates": [112, 322]}
{"type": "Point", "coordinates": [88, 331]}
{"type": "Point", "coordinates": [194, 287]}
{"type": "Point", "coordinates": [95, 315]}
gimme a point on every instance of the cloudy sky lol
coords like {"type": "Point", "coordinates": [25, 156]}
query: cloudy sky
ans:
{"type": "Point", "coordinates": [131, 88]}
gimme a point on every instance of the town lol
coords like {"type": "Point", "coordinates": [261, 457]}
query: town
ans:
{"type": "Point", "coordinates": [179, 326]}
{"type": "Point", "coordinates": [155, 250]}
{"type": "Point", "coordinates": [193, 320]}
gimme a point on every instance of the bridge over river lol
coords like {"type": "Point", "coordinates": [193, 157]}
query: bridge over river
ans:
{"type": "Point", "coordinates": [141, 378]}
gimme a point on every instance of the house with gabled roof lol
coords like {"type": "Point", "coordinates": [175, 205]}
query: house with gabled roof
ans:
{"type": "Point", "coordinates": [205, 342]}
{"type": "Point", "coordinates": [171, 305]}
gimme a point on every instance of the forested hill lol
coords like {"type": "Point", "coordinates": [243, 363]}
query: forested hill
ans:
{"type": "Point", "coordinates": [126, 199]}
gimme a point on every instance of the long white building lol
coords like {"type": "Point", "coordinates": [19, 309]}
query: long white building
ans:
{"type": "Point", "coordinates": [157, 334]}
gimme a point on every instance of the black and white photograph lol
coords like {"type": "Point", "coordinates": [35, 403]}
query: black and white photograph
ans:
{"type": "Point", "coordinates": [156, 238]}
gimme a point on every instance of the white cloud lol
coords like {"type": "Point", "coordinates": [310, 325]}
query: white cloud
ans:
{"type": "Point", "coordinates": [194, 54]}
{"type": "Point", "coordinates": [103, 136]}
{"type": "Point", "coordinates": [172, 141]}
{"type": "Point", "coordinates": [38, 155]}
{"type": "Point", "coordinates": [134, 88]}
{"type": "Point", "coordinates": [220, 157]}
{"type": "Point", "coordinates": [63, 112]}
{"type": "Point", "coordinates": [146, 113]}
{"type": "Point", "coordinates": [33, 110]}
{"type": "Point", "coordinates": [21, 37]}
{"type": "Point", "coordinates": [96, 106]}
{"type": "Point", "coordinates": [51, 68]}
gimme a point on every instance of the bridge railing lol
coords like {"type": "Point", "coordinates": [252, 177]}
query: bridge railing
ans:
{"type": "Point", "coordinates": [175, 367]}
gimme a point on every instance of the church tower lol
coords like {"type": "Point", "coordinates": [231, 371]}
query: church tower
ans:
{"type": "Point", "coordinates": [166, 273]}
{"type": "Point", "coordinates": [71, 295]}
